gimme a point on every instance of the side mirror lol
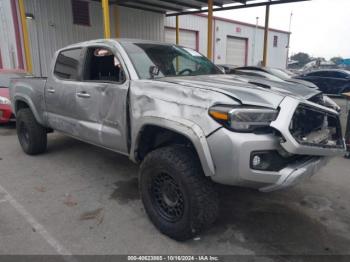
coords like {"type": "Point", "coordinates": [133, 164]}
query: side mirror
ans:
{"type": "Point", "coordinates": [153, 71]}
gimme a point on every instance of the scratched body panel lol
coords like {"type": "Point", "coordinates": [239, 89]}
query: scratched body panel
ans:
{"type": "Point", "coordinates": [103, 120]}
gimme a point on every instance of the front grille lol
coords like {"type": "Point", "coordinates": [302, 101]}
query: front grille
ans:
{"type": "Point", "coordinates": [314, 127]}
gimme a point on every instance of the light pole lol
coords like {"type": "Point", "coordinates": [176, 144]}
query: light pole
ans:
{"type": "Point", "coordinates": [290, 33]}
{"type": "Point", "coordinates": [254, 40]}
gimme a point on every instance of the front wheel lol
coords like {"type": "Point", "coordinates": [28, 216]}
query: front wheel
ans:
{"type": "Point", "coordinates": [178, 198]}
{"type": "Point", "coordinates": [31, 135]}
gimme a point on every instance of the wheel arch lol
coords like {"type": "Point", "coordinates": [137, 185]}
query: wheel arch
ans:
{"type": "Point", "coordinates": [149, 129]}
{"type": "Point", "coordinates": [24, 102]}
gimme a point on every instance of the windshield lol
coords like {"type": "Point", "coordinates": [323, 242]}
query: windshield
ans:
{"type": "Point", "coordinates": [157, 60]}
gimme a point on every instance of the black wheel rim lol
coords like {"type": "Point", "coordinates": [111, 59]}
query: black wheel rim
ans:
{"type": "Point", "coordinates": [23, 134]}
{"type": "Point", "coordinates": [167, 197]}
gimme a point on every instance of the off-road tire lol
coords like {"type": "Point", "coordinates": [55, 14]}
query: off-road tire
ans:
{"type": "Point", "coordinates": [201, 204]}
{"type": "Point", "coordinates": [31, 135]}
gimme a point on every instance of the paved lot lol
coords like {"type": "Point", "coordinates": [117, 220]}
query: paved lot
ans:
{"type": "Point", "coordinates": [80, 199]}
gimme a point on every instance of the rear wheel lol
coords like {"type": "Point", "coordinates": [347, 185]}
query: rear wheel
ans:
{"type": "Point", "coordinates": [31, 135]}
{"type": "Point", "coordinates": [178, 198]}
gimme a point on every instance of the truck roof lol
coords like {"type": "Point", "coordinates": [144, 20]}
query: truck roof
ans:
{"type": "Point", "coordinates": [118, 40]}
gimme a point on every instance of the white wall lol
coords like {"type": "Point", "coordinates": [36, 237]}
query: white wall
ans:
{"type": "Point", "coordinates": [53, 28]}
{"type": "Point", "coordinates": [7, 36]}
{"type": "Point", "coordinates": [277, 56]}
{"type": "Point", "coordinates": [195, 23]}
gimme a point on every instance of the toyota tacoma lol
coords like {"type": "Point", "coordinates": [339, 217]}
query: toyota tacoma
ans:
{"type": "Point", "coordinates": [189, 125]}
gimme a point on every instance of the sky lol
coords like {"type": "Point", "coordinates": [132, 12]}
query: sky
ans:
{"type": "Point", "coordinates": [320, 28]}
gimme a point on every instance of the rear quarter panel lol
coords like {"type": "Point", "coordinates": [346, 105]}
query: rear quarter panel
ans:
{"type": "Point", "coordinates": [30, 91]}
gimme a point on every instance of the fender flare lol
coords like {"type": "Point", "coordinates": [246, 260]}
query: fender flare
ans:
{"type": "Point", "coordinates": [183, 127]}
{"type": "Point", "coordinates": [28, 101]}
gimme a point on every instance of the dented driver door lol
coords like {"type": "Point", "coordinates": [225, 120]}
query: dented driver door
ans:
{"type": "Point", "coordinates": [101, 102]}
{"type": "Point", "coordinates": [101, 110]}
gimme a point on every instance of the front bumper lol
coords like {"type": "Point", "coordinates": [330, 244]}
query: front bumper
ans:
{"type": "Point", "coordinates": [231, 154]}
{"type": "Point", "coordinates": [296, 173]}
{"type": "Point", "coordinates": [232, 151]}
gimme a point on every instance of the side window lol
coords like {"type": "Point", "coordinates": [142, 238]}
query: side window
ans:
{"type": "Point", "coordinates": [338, 75]}
{"type": "Point", "coordinates": [67, 64]}
{"type": "Point", "coordinates": [321, 74]}
{"type": "Point", "coordinates": [102, 65]}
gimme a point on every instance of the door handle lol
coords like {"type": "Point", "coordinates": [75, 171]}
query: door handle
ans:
{"type": "Point", "coordinates": [51, 90]}
{"type": "Point", "coordinates": [83, 94]}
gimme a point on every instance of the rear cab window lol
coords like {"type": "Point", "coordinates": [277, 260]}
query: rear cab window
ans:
{"type": "Point", "coordinates": [67, 64]}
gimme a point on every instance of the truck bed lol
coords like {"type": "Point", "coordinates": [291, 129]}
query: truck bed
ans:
{"type": "Point", "coordinates": [30, 90]}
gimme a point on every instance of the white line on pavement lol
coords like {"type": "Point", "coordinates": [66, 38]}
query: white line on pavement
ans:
{"type": "Point", "coordinates": [35, 224]}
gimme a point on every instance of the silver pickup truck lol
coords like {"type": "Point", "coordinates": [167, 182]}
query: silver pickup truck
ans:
{"type": "Point", "coordinates": [188, 124]}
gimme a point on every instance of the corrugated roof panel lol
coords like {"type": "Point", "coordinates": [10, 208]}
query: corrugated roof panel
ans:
{"type": "Point", "coordinates": [178, 7]}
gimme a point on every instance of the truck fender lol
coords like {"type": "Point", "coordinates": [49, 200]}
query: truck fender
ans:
{"type": "Point", "coordinates": [183, 127]}
{"type": "Point", "coordinates": [25, 99]}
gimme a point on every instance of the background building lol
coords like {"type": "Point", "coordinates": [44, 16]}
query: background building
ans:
{"type": "Point", "coordinates": [53, 24]}
{"type": "Point", "coordinates": [235, 42]}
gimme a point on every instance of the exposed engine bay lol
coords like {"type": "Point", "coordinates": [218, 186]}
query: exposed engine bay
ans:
{"type": "Point", "coordinates": [311, 126]}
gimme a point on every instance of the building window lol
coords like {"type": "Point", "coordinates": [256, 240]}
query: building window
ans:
{"type": "Point", "coordinates": [81, 13]}
{"type": "Point", "coordinates": [275, 41]}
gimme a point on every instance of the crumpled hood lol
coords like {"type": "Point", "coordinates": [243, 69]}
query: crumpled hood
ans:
{"type": "Point", "coordinates": [303, 82]}
{"type": "Point", "coordinates": [239, 88]}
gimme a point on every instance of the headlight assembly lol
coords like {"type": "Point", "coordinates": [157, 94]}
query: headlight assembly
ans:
{"type": "Point", "coordinates": [4, 101]}
{"type": "Point", "coordinates": [243, 119]}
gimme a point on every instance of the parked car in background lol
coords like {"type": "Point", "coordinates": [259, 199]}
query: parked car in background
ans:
{"type": "Point", "coordinates": [6, 114]}
{"type": "Point", "coordinates": [267, 80]}
{"type": "Point", "coordinates": [331, 81]}
{"type": "Point", "coordinates": [280, 73]}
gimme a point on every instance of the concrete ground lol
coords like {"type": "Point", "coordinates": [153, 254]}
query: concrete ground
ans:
{"type": "Point", "coordinates": [80, 199]}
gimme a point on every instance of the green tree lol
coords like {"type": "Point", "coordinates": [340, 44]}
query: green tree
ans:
{"type": "Point", "coordinates": [337, 59]}
{"type": "Point", "coordinates": [302, 58]}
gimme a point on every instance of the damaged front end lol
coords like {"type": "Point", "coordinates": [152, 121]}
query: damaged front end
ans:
{"type": "Point", "coordinates": [309, 129]}
{"type": "Point", "coordinates": [314, 127]}
{"type": "Point", "coordinates": [304, 135]}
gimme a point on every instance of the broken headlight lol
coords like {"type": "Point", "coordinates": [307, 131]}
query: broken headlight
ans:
{"type": "Point", "coordinates": [243, 119]}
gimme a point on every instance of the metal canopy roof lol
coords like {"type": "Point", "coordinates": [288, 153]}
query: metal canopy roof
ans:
{"type": "Point", "coordinates": [182, 7]}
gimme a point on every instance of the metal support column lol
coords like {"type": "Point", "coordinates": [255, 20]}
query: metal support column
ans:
{"type": "Point", "coordinates": [210, 30]}
{"type": "Point", "coordinates": [29, 64]}
{"type": "Point", "coordinates": [106, 19]}
{"type": "Point", "coordinates": [266, 35]}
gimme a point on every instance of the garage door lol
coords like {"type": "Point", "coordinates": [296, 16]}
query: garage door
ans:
{"type": "Point", "coordinates": [236, 49]}
{"type": "Point", "coordinates": [187, 38]}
